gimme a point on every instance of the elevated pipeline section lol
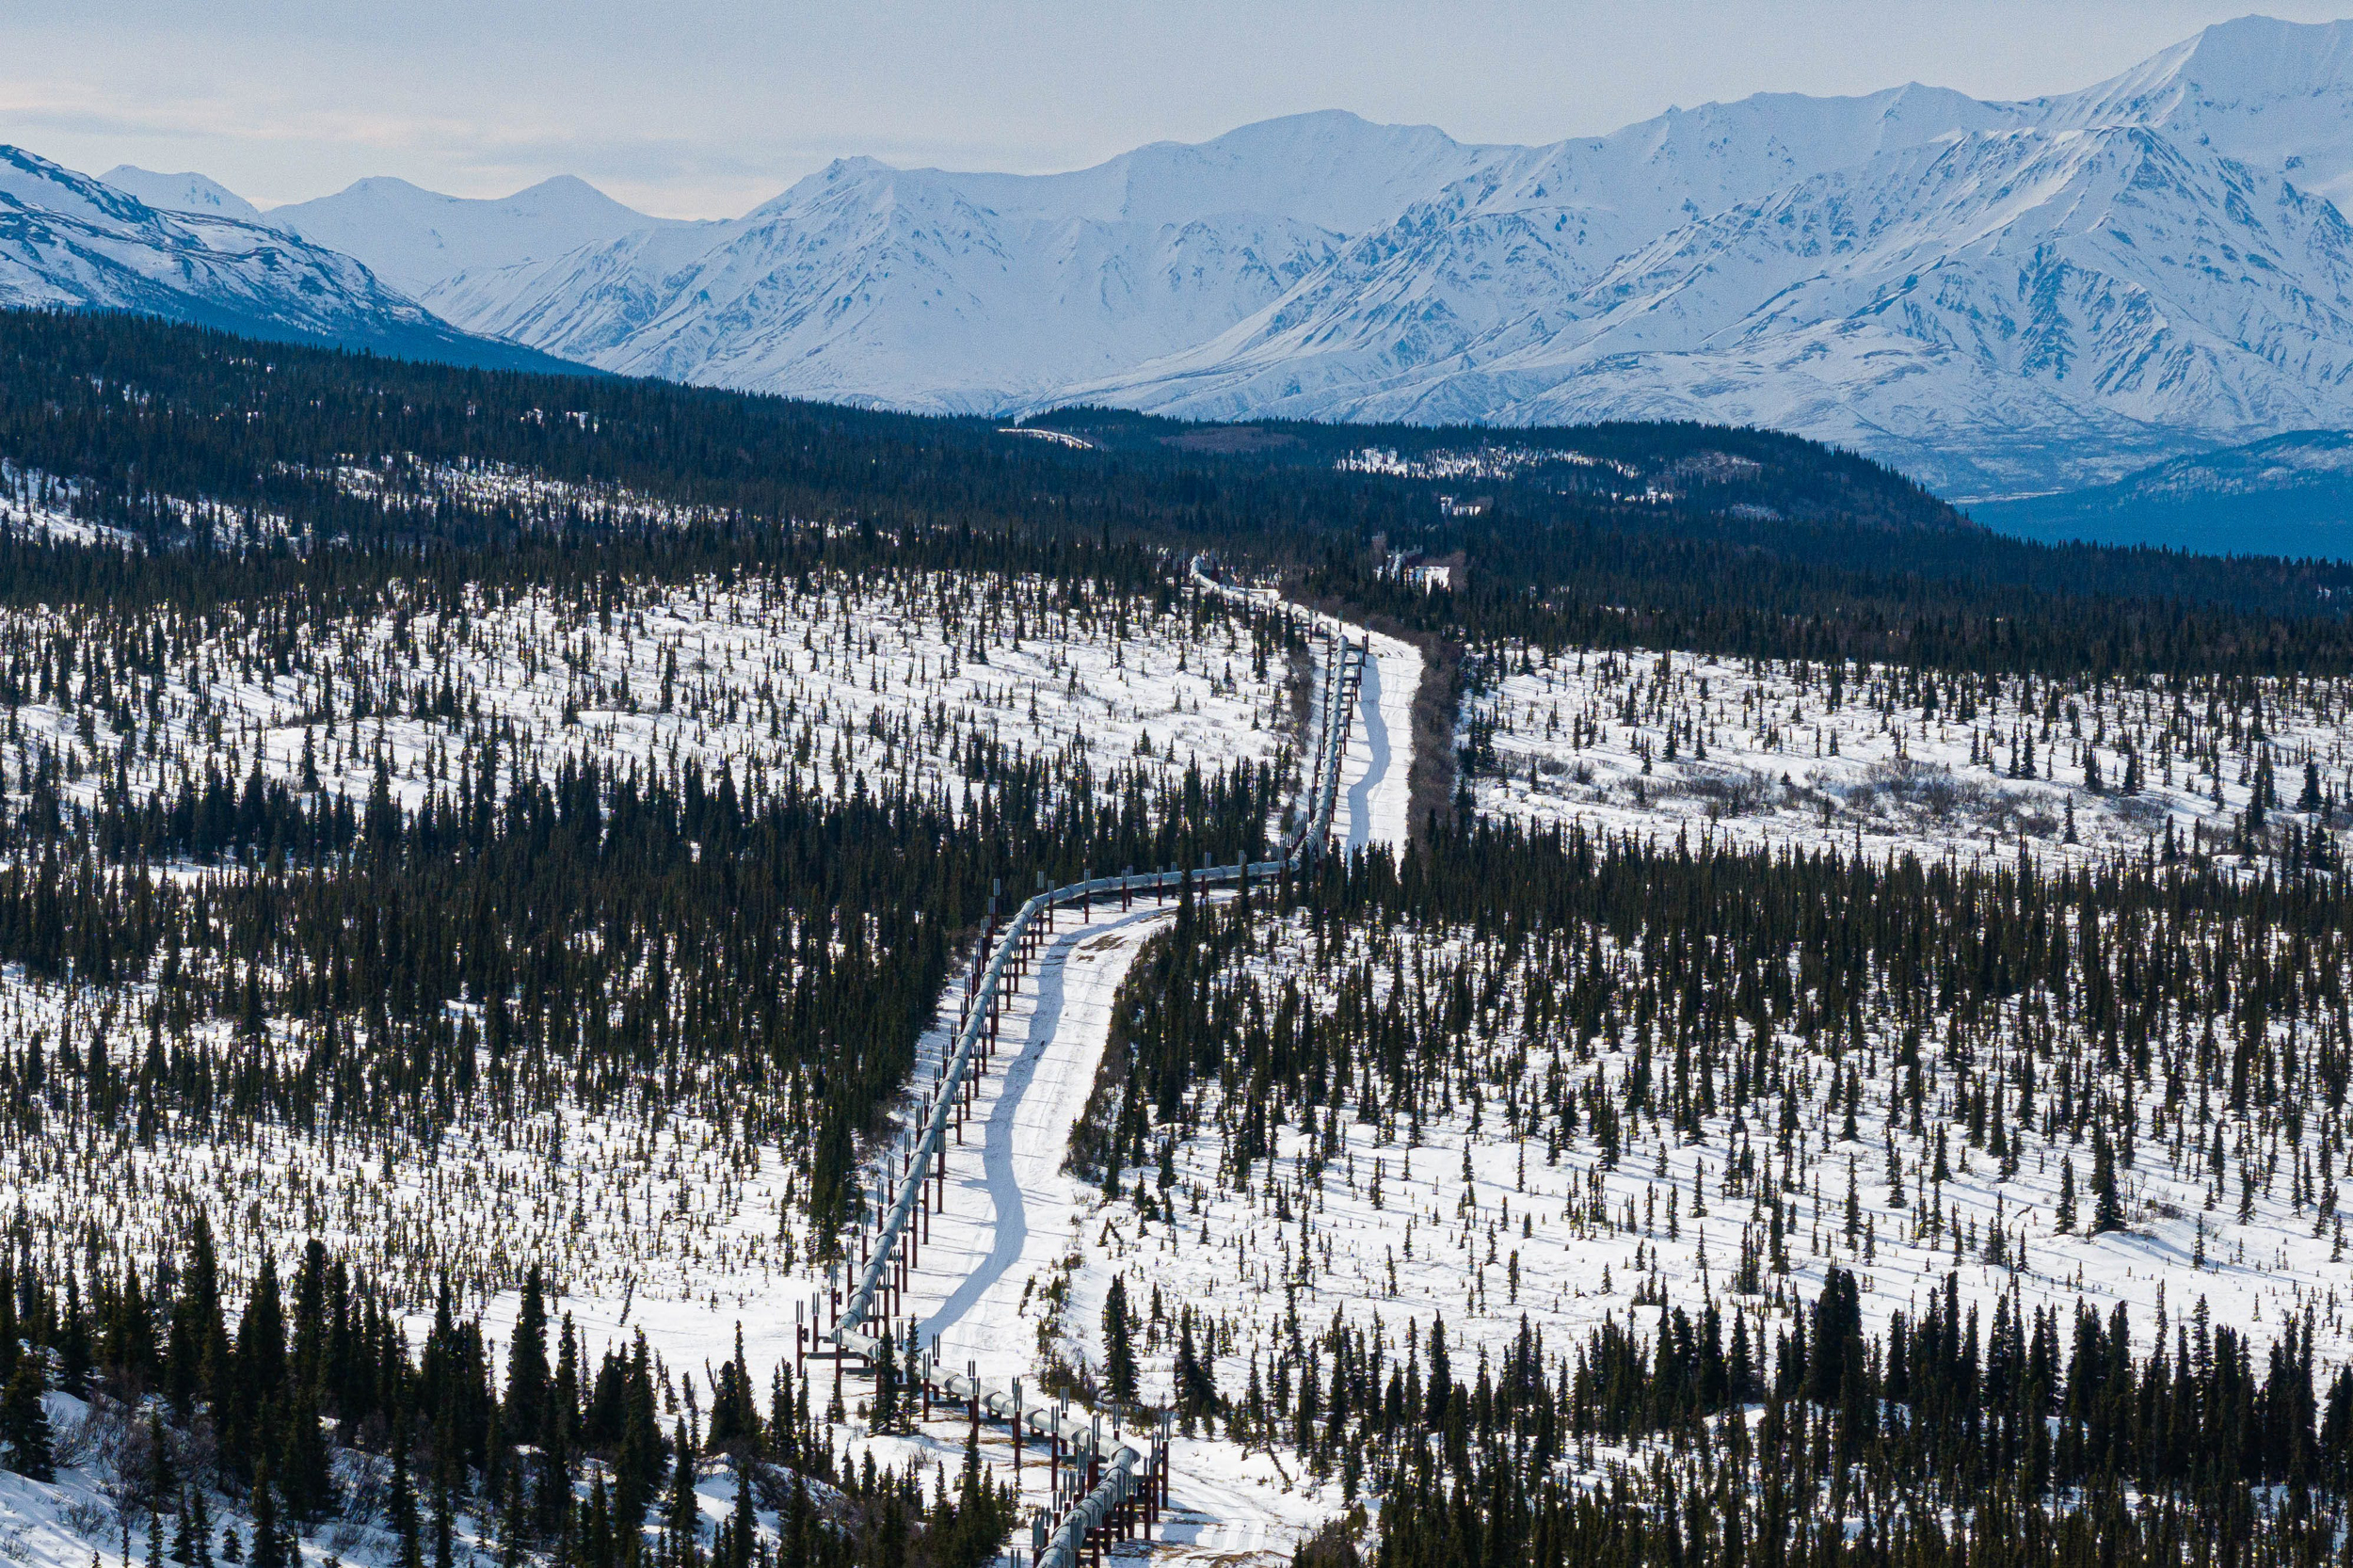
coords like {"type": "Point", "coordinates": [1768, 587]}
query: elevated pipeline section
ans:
{"type": "Point", "coordinates": [1104, 1487]}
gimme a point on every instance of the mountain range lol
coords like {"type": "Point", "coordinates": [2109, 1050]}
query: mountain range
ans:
{"type": "Point", "coordinates": [70, 242]}
{"type": "Point", "coordinates": [1999, 298]}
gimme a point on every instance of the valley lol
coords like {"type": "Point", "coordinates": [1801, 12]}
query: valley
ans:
{"type": "Point", "coordinates": [1798, 1001]}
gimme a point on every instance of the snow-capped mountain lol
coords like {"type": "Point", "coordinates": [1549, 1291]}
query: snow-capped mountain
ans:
{"type": "Point", "coordinates": [1507, 254]}
{"type": "Point", "coordinates": [181, 193]}
{"type": "Point", "coordinates": [68, 241]}
{"type": "Point", "coordinates": [2272, 94]}
{"type": "Point", "coordinates": [1998, 296]}
{"type": "Point", "coordinates": [959, 292]}
{"type": "Point", "coordinates": [1989, 305]}
{"type": "Point", "coordinates": [866, 283]}
{"type": "Point", "coordinates": [414, 238]}
{"type": "Point", "coordinates": [2001, 298]}
{"type": "Point", "coordinates": [956, 291]}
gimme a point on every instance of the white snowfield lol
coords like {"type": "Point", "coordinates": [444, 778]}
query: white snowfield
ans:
{"type": "Point", "coordinates": [1374, 789]}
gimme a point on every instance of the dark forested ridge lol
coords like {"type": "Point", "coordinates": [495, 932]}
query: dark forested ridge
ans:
{"type": "Point", "coordinates": [1790, 546]}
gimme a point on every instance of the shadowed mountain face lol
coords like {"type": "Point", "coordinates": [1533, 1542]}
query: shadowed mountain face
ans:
{"type": "Point", "coordinates": [2290, 495]}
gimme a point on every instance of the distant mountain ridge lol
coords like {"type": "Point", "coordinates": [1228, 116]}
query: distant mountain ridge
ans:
{"type": "Point", "coordinates": [1998, 297]}
{"type": "Point", "coordinates": [2288, 495]}
{"type": "Point", "coordinates": [70, 242]}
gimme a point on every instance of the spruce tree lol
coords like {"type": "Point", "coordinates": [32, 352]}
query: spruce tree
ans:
{"type": "Point", "coordinates": [527, 1363]}
{"type": "Point", "coordinates": [269, 1543]}
{"type": "Point", "coordinates": [1119, 1353]}
{"type": "Point", "coordinates": [401, 1508]}
{"type": "Point", "coordinates": [2107, 1207]}
{"type": "Point", "coordinates": [744, 1525]}
{"type": "Point", "coordinates": [683, 1515]}
{"type": "Point", "coordinates": [24, 1422]}
{"type": "Point", "coordinates": [183, 1535]}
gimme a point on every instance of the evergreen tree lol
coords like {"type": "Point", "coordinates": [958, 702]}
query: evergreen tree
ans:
{"type": "Point", "coordinates": [200, 1529]}
{"type": "Point", "coordinates": [2107, 1207]}
{"type": "Point", "coordinates": [269, 1543]}
{"type": "Point", "coordinates": [683, 1516]}
{"type": "Point", "coordinates": [24, 1422]}
{"type": "Point", "coordinates": [183, 1535]}
{"type": "Point", "coordinates": [1119, 1353]}
{"type": "Point", "coordinates": [744, 1525]}
{"type": "Point", "coordinates": [734, 1421]}
{"type": "Point", "coordinates": [527, 1361]}
{"type": "Point", "coordinates": [401, 1508]}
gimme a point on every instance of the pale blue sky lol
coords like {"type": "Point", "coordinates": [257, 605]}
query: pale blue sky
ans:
{"type": "Point", "coordinates": [703, 109]}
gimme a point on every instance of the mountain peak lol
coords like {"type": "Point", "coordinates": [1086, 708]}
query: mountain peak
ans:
{"type": "Point", "coordinates": [92, 245]}
{"type": "Point", "coordinates": [416, 238]}
{"type": "Point", "coordinates": [2252, 56]}
{"type": "Point", "coordinates": [183, 193]}
{"type": "Point", "coordinates": [29, 180]}
{"type": "Point", "coordinates": [2270, 93]}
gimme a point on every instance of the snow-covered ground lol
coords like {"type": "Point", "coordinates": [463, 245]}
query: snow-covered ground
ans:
{"type": "Point", "coordinates": [1470, 1223]}
{"type": "Point", "coordinates": [888, 677]}
{"type": "Point", "coordinates": [675, 1223]}
{"type": "Point", "coordinates": [85, 1516]}
{"type": "Point", "coordinates": [1658, 743]}
{"type": "Point", "coordinates": [1010, 1281]}
{"type": "Point", "coordinates": [38, 506]}
{"type": "Point", "coordinates": [680, 1225]}
{"type": "Point", "coordinates": [1020, 1259]}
